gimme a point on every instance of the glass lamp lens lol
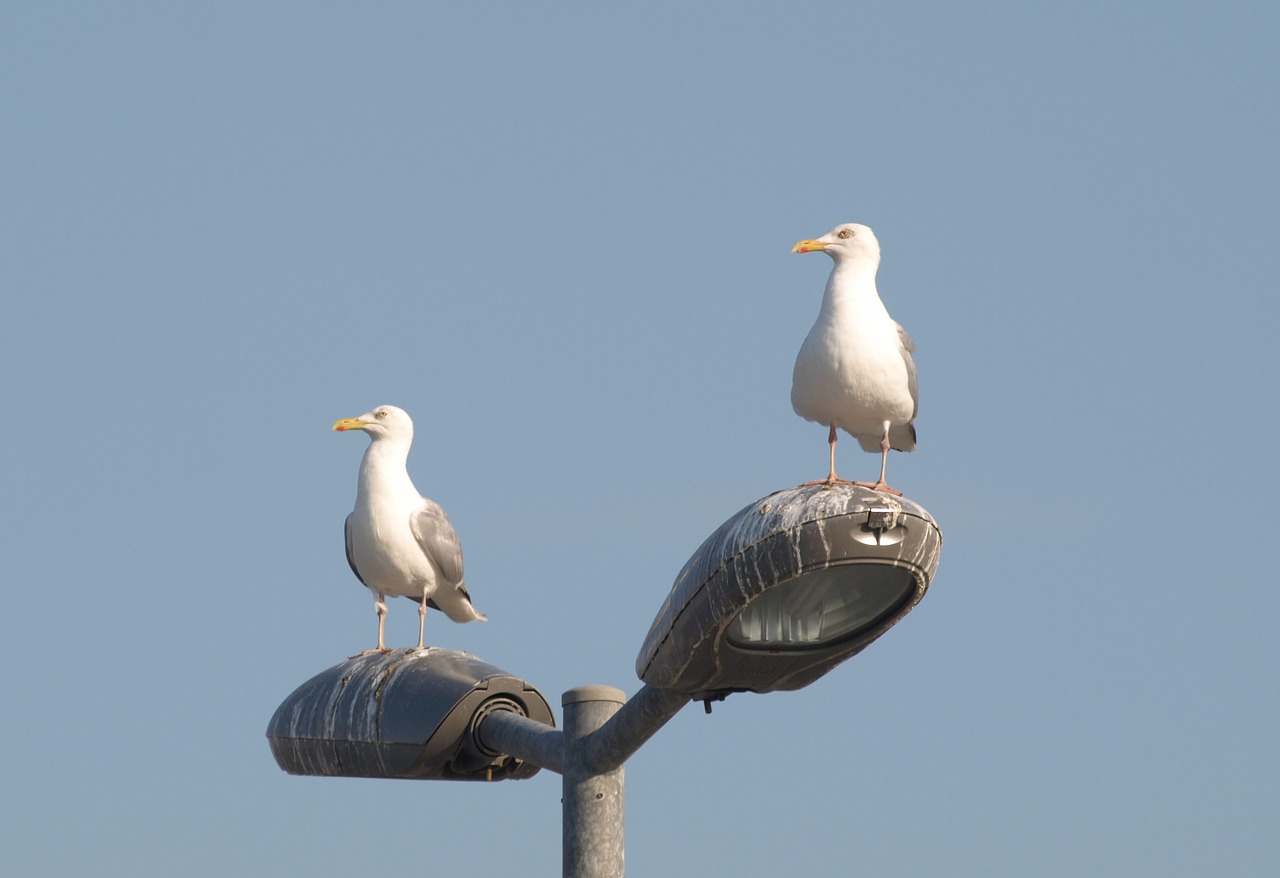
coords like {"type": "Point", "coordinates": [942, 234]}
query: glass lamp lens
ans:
{"type": "Point", "coordinates": [822, 608]}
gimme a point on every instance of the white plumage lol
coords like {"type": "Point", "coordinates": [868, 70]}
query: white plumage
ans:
{"type": "Point", "coordinates": [399, 542]}
{"type": "Point", "coordinates": [854, 371]}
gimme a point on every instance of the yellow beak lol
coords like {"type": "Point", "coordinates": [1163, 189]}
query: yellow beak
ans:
{"type": "Point", "coordinates": [349, 424]}
{"type": "Point", "coordinates": [808, 246]}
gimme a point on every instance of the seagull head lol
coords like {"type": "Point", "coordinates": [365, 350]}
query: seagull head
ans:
{"type": "Point", "coordinates": [847, 241]}
{"type": "Point", "coordinates": [383, 422]}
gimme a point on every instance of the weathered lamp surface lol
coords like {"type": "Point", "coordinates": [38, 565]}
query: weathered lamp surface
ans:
{"type": "Point", "coordinates": [791, 586]}
{"type": "Point", "coordinates": [405, 714]}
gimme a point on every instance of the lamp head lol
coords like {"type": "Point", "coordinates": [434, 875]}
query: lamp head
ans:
{"type": "Point", "coordinates": [404, 714]}
{"type": "Point", "coordinates": [788, 588]}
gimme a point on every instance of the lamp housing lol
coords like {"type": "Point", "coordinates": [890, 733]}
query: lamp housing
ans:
{"type": "Point", "coordinates": [407, 713]}
{"type": "Point", "coordinates": [788, 588]}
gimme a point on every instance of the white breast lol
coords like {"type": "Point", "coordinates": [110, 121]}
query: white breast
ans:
{"type": "Point", "coordinates": [851, 370]}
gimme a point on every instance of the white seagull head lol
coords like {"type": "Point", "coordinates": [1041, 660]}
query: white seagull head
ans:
{"type": "Point", "coordinates": [383, 422]}
{"type": "Point", "coordinates": [848, 241]}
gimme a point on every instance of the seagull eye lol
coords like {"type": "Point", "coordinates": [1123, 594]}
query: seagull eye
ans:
{"type": "Point", "coordinates": [845, 233]}
{"type": "Point", "coordinates": [380, 415]}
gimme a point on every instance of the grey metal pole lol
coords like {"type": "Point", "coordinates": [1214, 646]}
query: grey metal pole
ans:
{"type": "Point", "coordinates": [524, 738]}
{"type": "Point", "coordinates": [638, 721]}
{"type": "Point", "coordinates": [592, 801]}
{"type": "Point", "coordinates": [600, 734]}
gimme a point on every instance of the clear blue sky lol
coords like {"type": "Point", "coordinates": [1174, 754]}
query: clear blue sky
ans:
{"type": "Point", "coordinates": [559, 238]}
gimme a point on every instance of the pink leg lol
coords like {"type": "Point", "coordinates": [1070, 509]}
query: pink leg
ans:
{"type": "Point", "coordinates": [380, 605]}
{"type": "Point", "coordinates": [422, 618]}
{"type": "Point", "coordinates": [831, 478]}
{"type": "Point", "coordinates": [884, 460]}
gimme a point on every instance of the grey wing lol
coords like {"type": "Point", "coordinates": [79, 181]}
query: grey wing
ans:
{"type": "Point", "coordinates": [905, 339]}
{"type": "Point", "coordinates": [351, 561]}
{"type": "Point", "coordinates": [908, 348]}
{"type": "Point", "coordinates": [435, 534]}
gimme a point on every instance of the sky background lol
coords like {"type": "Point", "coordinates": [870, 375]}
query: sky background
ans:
{"type": "Point", "coordinates": [558, 236]}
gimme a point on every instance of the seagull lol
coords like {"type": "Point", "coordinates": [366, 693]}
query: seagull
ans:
{"type": "Point", "coordinates": [399, 542]}
{"type": "Point", "coordinates": [854, 370]}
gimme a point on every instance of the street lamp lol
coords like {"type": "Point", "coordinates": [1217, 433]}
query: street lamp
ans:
{"type": "Point", "coordinates": [788, 588]}
{"type": "Point", "coordinates": [781, 593]}
{"type": "Point", "coordinates": [406, 714]}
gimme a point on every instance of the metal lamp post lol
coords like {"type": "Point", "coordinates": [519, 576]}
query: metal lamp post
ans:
{"type": "Point", "coordinates": [781, 593]}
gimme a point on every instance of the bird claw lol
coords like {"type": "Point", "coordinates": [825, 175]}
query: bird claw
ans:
{"type": "Point", "coordinates": [829, 482]}
{"type": "Point", "coordinates": [879, 487]}
{"type": "Point", "coordinates": [382, 650]}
